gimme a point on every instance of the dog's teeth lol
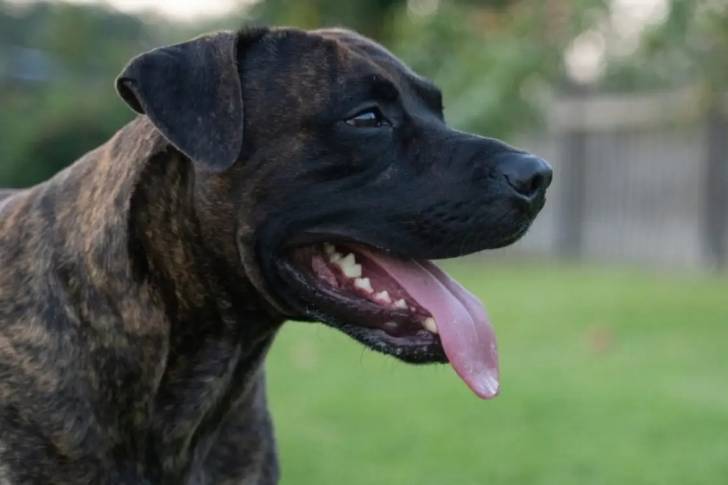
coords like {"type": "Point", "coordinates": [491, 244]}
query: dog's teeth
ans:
{"type": "Point", "coordinates": [348, 266]}
{"type": "Point", "coordinates": [383, 297]}
{"type": "Point", "coordinates": [353, 271]}
{"type": "Point", "coordinates": [329, 249]}
{"type": "Point", "coordinates": [363, 284]}
{"type": "Point", "coordinates": [400, 304]}
{"type": "Point", "coordinates": [335, 257]}
{"type": "Point", "coordinates": [430, 325]}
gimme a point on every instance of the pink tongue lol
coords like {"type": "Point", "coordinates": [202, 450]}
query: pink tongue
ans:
{"type": "Point", "coordinates": [465, 331]}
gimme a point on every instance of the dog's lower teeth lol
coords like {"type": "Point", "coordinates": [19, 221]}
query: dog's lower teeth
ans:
{"type": "Point", "coordinates": [363, 284]}
{"type": "Point", "coordinates": [430, 325]}
{"type": "Point", "coordinates": [401, 304]}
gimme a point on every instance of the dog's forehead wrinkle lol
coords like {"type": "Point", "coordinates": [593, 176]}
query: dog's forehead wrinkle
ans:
{"type": "Point", "coordinates": [427, 90]}
{"type": "Point", "coordinates": [383, 67]}
{"type": "Point", "coordinates": [362, 48]}
{"type": "Point", "coordinates": [356, 42]}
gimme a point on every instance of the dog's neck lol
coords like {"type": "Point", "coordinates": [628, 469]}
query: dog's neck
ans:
{"type": "Point", "coordinates": [190, 324]}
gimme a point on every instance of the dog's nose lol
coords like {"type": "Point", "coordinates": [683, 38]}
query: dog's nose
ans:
{"type": "Point", "coordinates": [528, 175]}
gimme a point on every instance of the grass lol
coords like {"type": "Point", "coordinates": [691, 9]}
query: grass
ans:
{"type": "Point", "coordinates": [608, 377]}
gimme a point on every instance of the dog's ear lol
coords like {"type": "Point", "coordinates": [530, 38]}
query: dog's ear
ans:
{"type": "Point", "coordinates": [192, 93]}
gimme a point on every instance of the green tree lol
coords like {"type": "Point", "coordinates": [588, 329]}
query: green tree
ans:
{"type": "Point", "coordinates": [67, 107]}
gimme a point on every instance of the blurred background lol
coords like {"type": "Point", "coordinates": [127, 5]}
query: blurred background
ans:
{"type": "Point", "coordinates": [612, 313]}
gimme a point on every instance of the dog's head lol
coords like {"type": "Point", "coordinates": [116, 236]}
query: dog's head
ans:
{"type": "Point", "coordinates": [332, 178]}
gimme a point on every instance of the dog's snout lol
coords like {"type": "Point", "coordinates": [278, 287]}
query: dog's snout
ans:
{"type": "Point", "coordinates": [528, 175]}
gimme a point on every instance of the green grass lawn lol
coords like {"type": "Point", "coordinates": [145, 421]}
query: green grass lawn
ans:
{"type": "Point", "coordinates": [608, 377]}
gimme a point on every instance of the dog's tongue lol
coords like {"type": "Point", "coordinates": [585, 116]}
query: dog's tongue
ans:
{"type": "Point", "coordinates": [465, 330]}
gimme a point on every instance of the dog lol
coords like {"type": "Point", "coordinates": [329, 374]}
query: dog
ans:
{"type": "Point", "coordinates": [270, 174]}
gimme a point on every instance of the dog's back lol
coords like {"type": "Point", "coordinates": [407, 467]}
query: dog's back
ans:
{"type": "Point", "coordinates": [5, 193]}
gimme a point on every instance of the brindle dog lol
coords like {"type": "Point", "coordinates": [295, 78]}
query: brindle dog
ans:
{"type": "Point", "coordinates": [141, 288]}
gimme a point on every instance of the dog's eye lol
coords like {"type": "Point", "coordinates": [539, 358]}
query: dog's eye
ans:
{"type": "Point", "coordinates": [369, 118]}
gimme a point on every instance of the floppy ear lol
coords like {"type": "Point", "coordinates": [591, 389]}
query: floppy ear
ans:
{"type": "Point", "coordinates": [192, 93]}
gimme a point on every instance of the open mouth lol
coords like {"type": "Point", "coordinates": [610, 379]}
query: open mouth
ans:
{"type": "Point", "coordinates": [405, 307]}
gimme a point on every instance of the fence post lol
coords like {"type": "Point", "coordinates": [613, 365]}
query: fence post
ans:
{"type": "Point", "coordinates": [715, 221]}
{"type": "Point", "coordinates": [572, 178]}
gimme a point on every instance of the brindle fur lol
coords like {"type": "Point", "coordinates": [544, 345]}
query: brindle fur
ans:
{"type": "Point", "coordinates": [134, 311]}
{"type": "Point", "coordinates": [127, 353]}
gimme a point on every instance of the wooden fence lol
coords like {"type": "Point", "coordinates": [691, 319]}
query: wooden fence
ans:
{"type": "Point", "coordinates": [637, 179]}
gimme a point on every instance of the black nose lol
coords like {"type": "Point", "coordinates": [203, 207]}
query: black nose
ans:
{"type": "Point", "coordinates": [530, 176]}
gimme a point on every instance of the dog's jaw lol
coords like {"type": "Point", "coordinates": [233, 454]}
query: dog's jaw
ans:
{"type": "Point", "coordinates": [403, 307]}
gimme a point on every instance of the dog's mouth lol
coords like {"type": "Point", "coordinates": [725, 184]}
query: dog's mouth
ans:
{"type": "Point", "coordinates": [404, 307]}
